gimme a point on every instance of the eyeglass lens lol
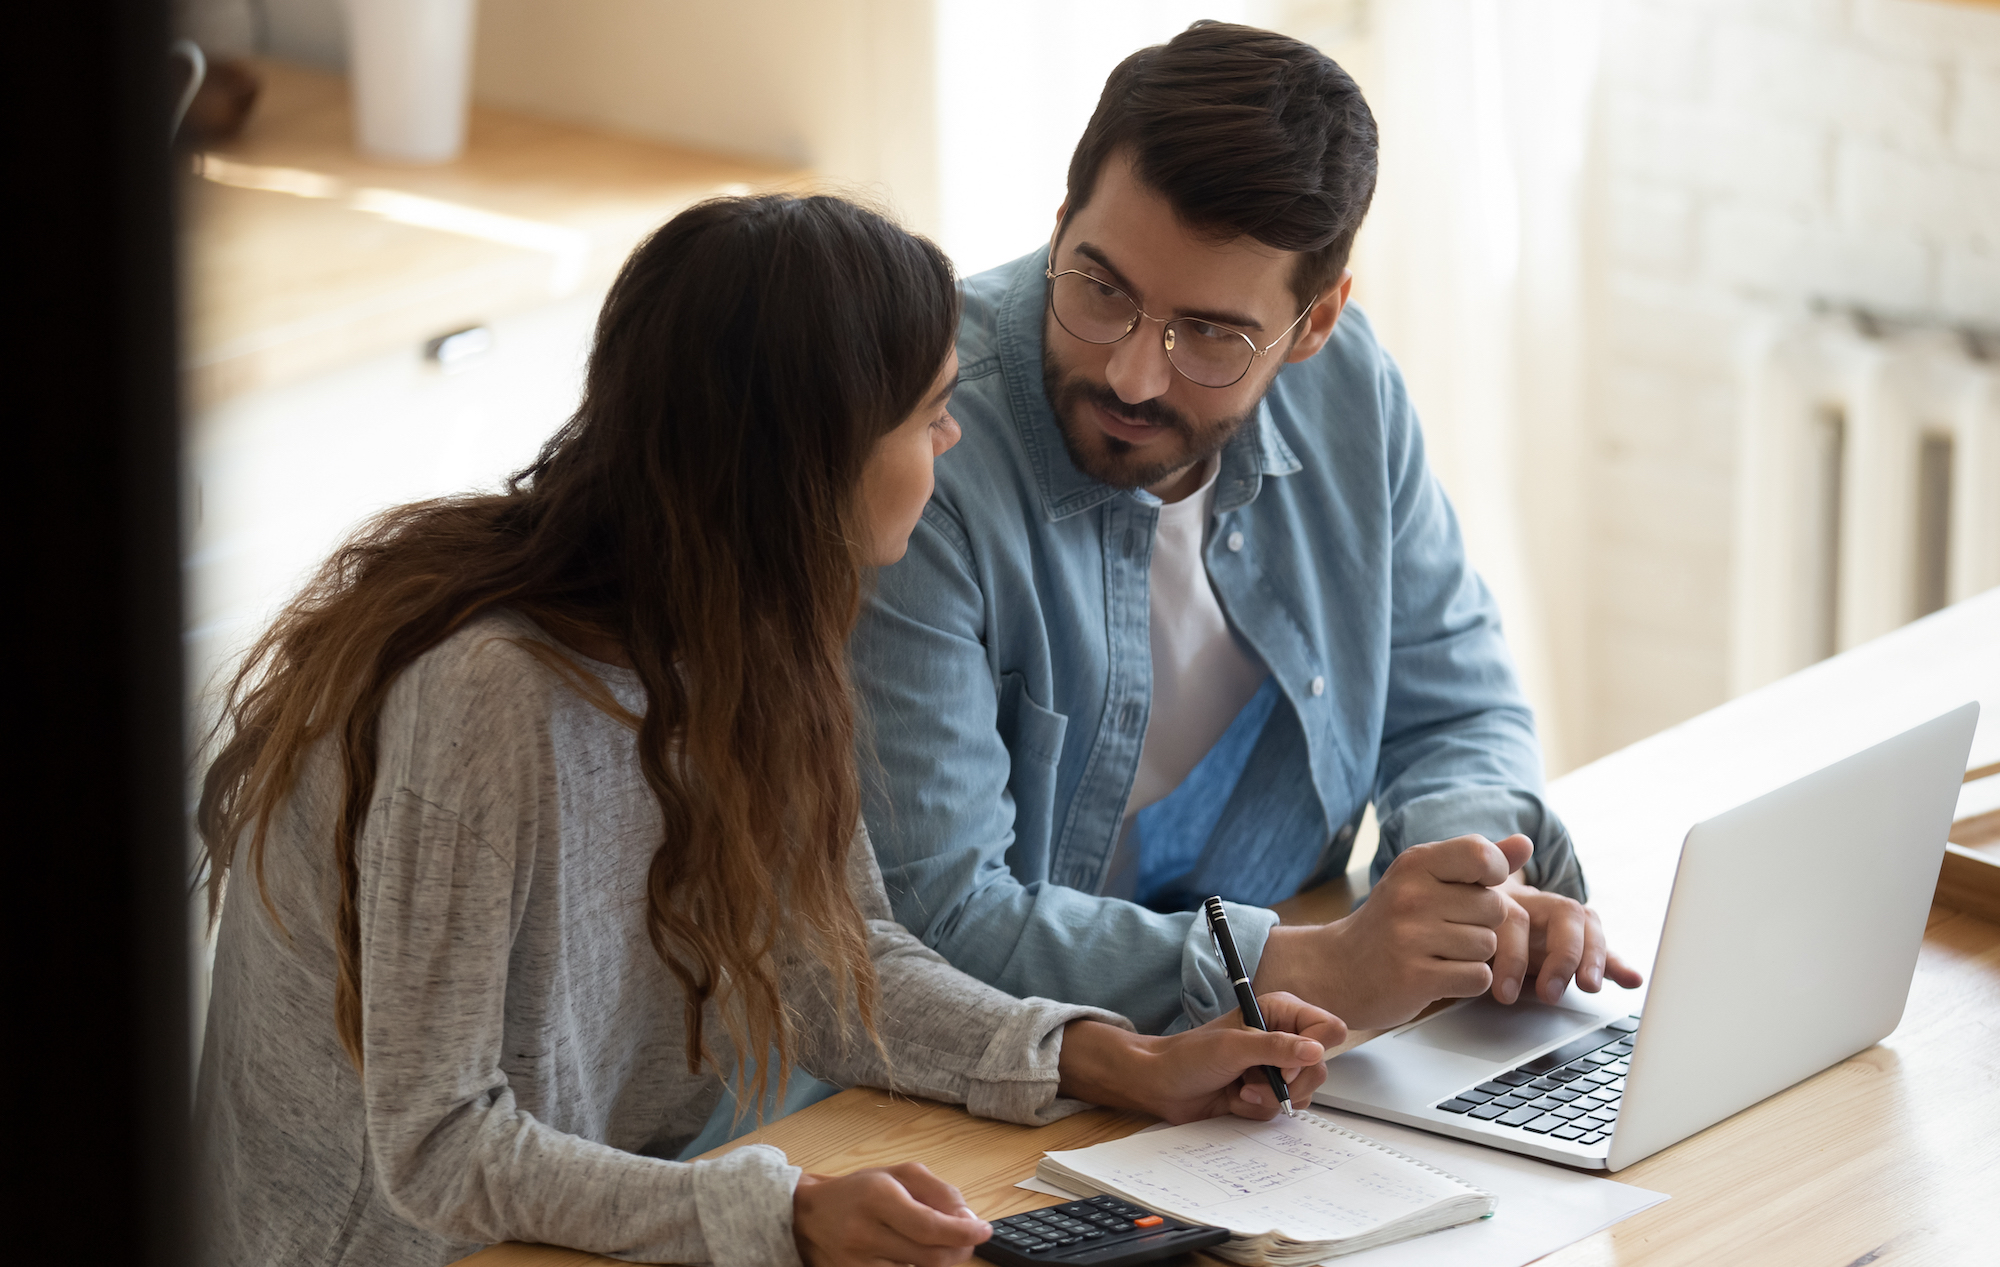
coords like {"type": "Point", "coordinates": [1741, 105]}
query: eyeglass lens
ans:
{"type": "Point", "coordinates": [1096, 312]}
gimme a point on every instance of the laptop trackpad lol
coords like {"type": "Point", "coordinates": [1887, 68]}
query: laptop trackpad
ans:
{"type": "Point", "coordinates": [1496, 1032]}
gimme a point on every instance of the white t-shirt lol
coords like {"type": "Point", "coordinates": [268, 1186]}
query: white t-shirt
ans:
{"type": "Point", "coordinates": [1202, 675]}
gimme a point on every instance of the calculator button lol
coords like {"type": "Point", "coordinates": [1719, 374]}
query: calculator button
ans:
{"type": "Point", "coordinates": [1151, 1220]}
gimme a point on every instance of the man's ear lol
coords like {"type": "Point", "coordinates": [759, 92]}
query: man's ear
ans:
{"type": "Point", "coordinates": [1318, 325]}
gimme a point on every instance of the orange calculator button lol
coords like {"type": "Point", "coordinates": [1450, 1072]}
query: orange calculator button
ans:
{"type": "Point", "coordinates": [1151, 1220]}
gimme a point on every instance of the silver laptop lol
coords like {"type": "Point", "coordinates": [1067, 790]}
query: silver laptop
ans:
{"type": "Point", "coordinates": [1790, 941]}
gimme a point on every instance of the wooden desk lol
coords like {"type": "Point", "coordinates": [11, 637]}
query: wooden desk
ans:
{"type": "Point", "coordinates": [1887, 1158]}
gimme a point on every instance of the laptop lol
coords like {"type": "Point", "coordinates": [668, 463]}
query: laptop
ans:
{"type": "Point", "coordinates": [1790, 942]}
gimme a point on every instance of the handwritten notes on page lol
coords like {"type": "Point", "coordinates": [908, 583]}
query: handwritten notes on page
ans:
{"type": "Point", "coordinates": [1291, 1190]}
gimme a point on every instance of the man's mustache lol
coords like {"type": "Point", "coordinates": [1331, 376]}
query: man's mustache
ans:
{"type": "Point", "coordinates": [1153, 411]}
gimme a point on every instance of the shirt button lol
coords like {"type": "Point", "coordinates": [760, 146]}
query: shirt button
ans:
{"type": "Point", "coordinates": [1235, 542]}
{"type": "Point", "coordinates": [1319, 686]}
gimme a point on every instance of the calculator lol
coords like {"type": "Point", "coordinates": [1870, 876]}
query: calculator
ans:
{"type": "Point", "coordinates": [1101, 1231]}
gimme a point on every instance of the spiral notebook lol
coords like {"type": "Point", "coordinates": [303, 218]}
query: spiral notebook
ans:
{"type": "Point", "coordinates": [1291, 1191]}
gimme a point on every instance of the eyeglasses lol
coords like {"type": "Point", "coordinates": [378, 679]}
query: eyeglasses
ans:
{"type": "Point", "coordinates": [1203, 352]}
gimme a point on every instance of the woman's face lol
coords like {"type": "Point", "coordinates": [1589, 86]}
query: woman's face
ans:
{"type": "Point", "coordinates": [897, 480]}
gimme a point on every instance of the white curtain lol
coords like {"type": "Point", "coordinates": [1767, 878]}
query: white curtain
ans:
{"type": "Point", "coordinates": [1471, 268]}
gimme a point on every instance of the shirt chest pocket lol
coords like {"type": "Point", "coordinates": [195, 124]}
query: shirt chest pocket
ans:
{"type": "Point", "coordinates": [1034, 739]}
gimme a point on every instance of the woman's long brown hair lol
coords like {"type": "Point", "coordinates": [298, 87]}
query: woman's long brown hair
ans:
{"type": "Point", "coordinates": [701, 509]}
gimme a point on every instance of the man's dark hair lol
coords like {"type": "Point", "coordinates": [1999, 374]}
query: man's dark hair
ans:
{"type": "Point", "coordinates": [1246, 133]}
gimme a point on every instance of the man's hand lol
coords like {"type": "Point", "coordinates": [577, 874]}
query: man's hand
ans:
{"type": "Point", "coordinates": [1428, 931]}
{"type": "Point", "coordinates": [1204, 1072]}
{"type": "Point", "coordinates": [885, 1216]}
{"type": "Point", "coordinates": [1556, 938]}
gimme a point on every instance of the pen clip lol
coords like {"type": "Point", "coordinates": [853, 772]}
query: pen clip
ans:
{"type": "Point", "coordinates": [1211, 911]}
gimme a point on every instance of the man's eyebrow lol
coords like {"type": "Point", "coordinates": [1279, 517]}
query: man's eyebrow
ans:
{"type": "Point", "coordinates": [1095, 254]}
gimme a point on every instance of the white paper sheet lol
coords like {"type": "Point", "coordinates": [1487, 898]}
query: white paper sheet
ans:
{"type": "Point", "coordinates": [1542, 1207]}
{"type": "Point", "coordinates": [1302, 1178]}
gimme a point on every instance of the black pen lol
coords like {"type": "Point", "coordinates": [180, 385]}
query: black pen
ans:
{"type": "Point", "coordinates": [1246, 998]}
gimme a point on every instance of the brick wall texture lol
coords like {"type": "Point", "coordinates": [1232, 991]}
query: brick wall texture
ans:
{"type": "Point", "coordinates": [1754, 157]}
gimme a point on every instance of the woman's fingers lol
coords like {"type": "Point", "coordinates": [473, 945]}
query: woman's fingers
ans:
{"type": "Point", "coordinates": [895, 1247]}
{"type": "Point", "coordinates": [1291, 1014]}
{"type": "Point", "coordinates": [920, 1183]}
{"type": "Point", "coordinates": [874, 1216]}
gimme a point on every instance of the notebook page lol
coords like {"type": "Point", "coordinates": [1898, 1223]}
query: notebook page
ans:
{"type": "Point", "coordinates": [1294, 1176]}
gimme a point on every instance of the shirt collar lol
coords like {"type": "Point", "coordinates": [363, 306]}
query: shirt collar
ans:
{"type": "Point", "coordinates": [1254, 452]}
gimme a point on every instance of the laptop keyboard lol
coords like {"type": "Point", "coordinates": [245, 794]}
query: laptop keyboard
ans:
{"type": "Point", "coordinates": [1571, 1093]}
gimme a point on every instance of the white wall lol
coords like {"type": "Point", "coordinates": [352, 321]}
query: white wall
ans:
{"type": "Point", "coordinates": [1017, 83]}
{"type": "Point", "coordinates": [1755, 156]}
{"type": "Point", "coordinates": [844, 86]}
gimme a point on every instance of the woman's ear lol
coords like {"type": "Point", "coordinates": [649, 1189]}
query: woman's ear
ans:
{"type": "Point", "coordinates": [1319, 323]}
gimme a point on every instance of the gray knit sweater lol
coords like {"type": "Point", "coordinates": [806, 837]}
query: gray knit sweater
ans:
{"type": "Point", "coordinates": [523, 1043]}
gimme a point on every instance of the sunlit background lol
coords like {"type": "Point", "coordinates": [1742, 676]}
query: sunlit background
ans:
{"type": "Point", "coordinates": [1699, 299]}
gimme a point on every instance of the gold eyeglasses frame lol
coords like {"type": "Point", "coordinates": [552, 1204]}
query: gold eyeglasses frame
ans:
{"type": "Point", "coordinates": [1167, 324]}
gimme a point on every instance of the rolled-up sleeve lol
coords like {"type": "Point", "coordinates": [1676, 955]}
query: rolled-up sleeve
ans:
{"type": "Point", "coordinates": [944, 1035]}
{"type": "Point", "coordinates": [1458, 753]}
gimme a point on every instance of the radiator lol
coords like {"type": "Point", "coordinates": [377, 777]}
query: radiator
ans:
{"type": "Point", "coordinates": [1868, 485]}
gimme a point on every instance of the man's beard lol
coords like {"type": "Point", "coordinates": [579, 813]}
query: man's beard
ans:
{"type": "Point", "coordinates": [1116, 462]}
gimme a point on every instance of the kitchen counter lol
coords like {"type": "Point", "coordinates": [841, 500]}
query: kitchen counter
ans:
{"type": "Point", "coordinates": [301, 255]}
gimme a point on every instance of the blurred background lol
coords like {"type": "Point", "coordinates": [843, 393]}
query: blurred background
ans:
{"type": "Point", "coordinates": [1699, 299]}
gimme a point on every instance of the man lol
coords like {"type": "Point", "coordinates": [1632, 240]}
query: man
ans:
{"type": "Point", "coordinates": [1187, 599]}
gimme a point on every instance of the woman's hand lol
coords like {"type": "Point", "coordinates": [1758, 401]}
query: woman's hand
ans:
{"type": "Point", "coordinates": [891, 1215]}
{"type": "Point", "coordinates": [1202, 1072]}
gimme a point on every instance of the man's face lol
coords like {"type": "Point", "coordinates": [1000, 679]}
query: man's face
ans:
{"type": "Point", "coordinates": [1128, 417]}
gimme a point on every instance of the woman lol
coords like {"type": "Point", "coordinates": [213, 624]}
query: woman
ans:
{"type": "Point", "coordinates": [548, 814]}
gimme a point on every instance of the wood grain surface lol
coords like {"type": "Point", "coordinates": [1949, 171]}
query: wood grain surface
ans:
{"type": "Point", "coordinates": [1891, 1157]}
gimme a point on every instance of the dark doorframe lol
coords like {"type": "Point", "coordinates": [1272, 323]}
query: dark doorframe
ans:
{"type": "Point", "coordinates": [97, 892]}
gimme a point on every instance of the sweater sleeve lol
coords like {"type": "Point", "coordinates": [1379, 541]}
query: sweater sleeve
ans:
{"type": "Point", "coordinates": [439, 898]}
{"type": "Point", "coordinates": [945, 1035]}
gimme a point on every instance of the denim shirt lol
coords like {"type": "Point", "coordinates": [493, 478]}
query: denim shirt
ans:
{"type": "Point", "coordinates": [1005, 672]}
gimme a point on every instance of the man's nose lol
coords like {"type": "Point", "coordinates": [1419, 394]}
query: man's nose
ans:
{"type": "Point", "coordinates": [1139, 369]}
